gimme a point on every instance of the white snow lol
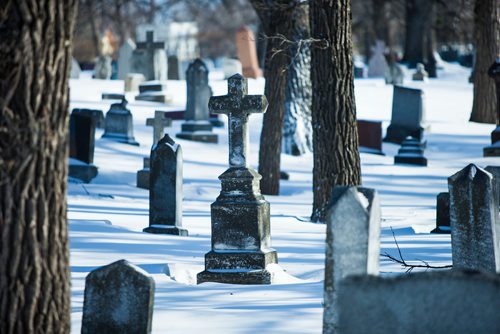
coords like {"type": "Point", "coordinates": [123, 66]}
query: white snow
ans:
{"type": "Point", "coordinates": [107, 216]}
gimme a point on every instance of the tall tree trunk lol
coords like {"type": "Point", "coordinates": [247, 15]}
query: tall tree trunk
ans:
{"type": "Point", "coordinates": [335, 133]}
{"type": "Point", "coordinates": [275, 16]}
{"type": "Point", "coordinates": [297, 130]}
{"type": "Point", "coordinates": [487, 40]}
{"type": "Point", "coordinates": [417, 21]}
{"type": "Point", "coordinates": [35, 58]}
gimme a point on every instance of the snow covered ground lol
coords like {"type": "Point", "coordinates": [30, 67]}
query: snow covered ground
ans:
{"type": "Point", "coordinates": [107, 216]}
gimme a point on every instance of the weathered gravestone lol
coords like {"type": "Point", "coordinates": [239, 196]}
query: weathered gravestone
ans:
{"type": "Point", "coordinates": [247, 53]}
{"type": "Point", "coordinates": [103, 69]}
{"type": "Point", "coordinates": [494, 149]}
{"type": "Point", "coordinates": [442, 214]}
{"type": "Point", "coordinates": [153, 91]}
{"type": "Point", "coordinates": [81, 147]}
{"type": "Point", "coordinates": [377, 65]}
{"type": "Point", "coordinates": [119, 124]}
{"type": "Point", "coordinates": [420, 73]}
{"type": "Point", "coordinates": [352, 243]}
{"type": "Point", "coordinates": [125, 58]}
{"type": "Point", "coordinates": [118, 299]}
{"type": "Point", "coordinates": [241, 236]}
{"type": "Point", "coordinates": [165, 189]}
{"type": "Point", "coordinates": [197, 127]}
{"type": "Point", "coordinates": [447, 301]}
{"type": "Point", "coordinates": [408, 113]}
{"type": "Point", "coordinates": [495, 171]}
{"type": "Point", "coordinates": [475, 225]}
{"type": "Point", "coordinates": [411, 152]}
{"type": "Point", "coordinates": [150, 59]}
{"type": "Point", "coordinates": [370, 136]}
{"type": "Point", "coordinates": [159, 122]}
{"type": "Point", "coordinates": [96, 114]}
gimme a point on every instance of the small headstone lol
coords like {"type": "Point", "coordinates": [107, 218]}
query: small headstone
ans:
{"type": "Point", "coordinates": [112, 96]}
{"type": "Point", "coordinates": [96, 114]}
{"type": "Point", "coordinates": [173, 68]}
{"type": "Point", "coordinates": [81, 147]}
{"type": "Point", "coordinates": [165, 189]}
{"type": "Point", "coordinates": [153, 91]}
{"type": "Point", "coordinates": [411, 152]}
{"type": "Point", "coordinates": [119, 299]}
{"type": "Point", "coordinates": [103, 69]}
{"type": "Point", "coordinates": [495, 171]}
{"type": "Point", "coordinates": [247, 53]}
{"type": "Point", "coordinates": [352, 244]}
{"type": "Point", "coordinates": [230, 67]}
{"type": "Point", "coordinates": [241, 234]}
{"type": "Point", "coordinates": [447, 301]}
{"type": "Point", "coordinates": [133, 81]}
{"type": "Point", "coordinates": [494, 149]}
{"type": "Point", "coordinates": [377, 65]}
{"type": "Point", "coordinates": [75, 69]}
{"type": "Point", "coordinates": [125, 58]}
{"type": "Point", "coordinates": [420, 74]}
{"type": "Point", "coordinates": [442, 214]}
{"type": "Point", "coordinates": [119, 124]}
{"type": "Point", "coordinates": [150, 59]}
{"type": "Point", "coordinates": [474, 220]}
{"type": "Point", "coordinates": [408, 113]}
{"type": "Point", "coordinates": [370, 136]}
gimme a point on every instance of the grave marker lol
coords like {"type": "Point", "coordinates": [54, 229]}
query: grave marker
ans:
{"type": "Point", "coordinates": [377, 65]}
{"type": "Point", "coordinates": [442, 214]}
{"type": "Point", "coordinates": [420, 73]}
{"type": "Point", "coordinates": [96, 114]}
{"type": "Point", "coordinates": [81, 147]}
{"type": "Point", "coordinates": [125, 58]}
{"type": "Point", "coordinates": [150, 59]}
{"type": "Point", "coordinates": [411, 152]}
{"type": "Point", "coordinates": [370, 136]}
{"type": "Point", "coordinates": [247, 53]}
{"type": "Point", "coordinates": [119, 124]}
{"type": "Point", "coordinates": [103, 69]}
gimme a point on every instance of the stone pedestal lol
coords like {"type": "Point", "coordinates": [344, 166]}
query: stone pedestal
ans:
{"type": "Point", "coordinates": [442, 214]}
{"type": "Point", "coordinates": [411, 152]}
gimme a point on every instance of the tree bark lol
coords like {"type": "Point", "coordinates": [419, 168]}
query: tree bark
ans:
{"type": "Point", "coordinates": [297, 129]}
{"type": "Point", "coordinates": [335, 133]}
{"type": "Point", "coordinates": [35, 58]}
{"type": "Point", "coordinates": [487, 40]}
{"type": "Point", "coordinates": [417, 22]}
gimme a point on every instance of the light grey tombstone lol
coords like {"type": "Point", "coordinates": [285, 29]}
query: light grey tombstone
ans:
{"type": "Point", "coordinates": [197, 126]}
{"type": "Point", "coordinates": [119, 125]}
{"type": "Point", "coordinates": [153, 91]}
{"type": "Point", "coordinates": [495, 171]}
{"type": "Point", "coordinates": [118, 299]}
{"type": "Point", "coordinates": [75, 69]}
{"type": "Point", "coordinates": [165, 189]}
{"type": "Point", "coordinates": [133, 81]}
{"type": "Point", "coordinates": [103, 68]}
{"type": "Point", "coordinates": [352, 243]}
{"type": "Point", "coordinates": [408, 113]}
{"type": "Point", "coordinates": [394, 74]}
{"type": "Point", "coordinates": [448, 301]}
{"type": "Point", "coordinates": [377, 65]}
{"type": "Point", "coordinates": [150, 59]}
{"type": "Point", "coordinates": [125, 58]}
{"type": "Point", "coordinates": [420, 73]}
{"type": "Point", "coordinates": [475, 225]}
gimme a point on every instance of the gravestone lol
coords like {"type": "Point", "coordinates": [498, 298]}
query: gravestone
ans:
{"type": "Point", "coordinates": [125, 58]}
{"type": "Point", "coordinates": [118, 299]}
{"type": "Point", "coordinates": [133, 81]}
{"type": "Point", "coordinates": [96, 114]}
{"type": "Point", "coordinates": [103, 69]}
{"type": "Point", "coordinates": [352, 243]}
{"type": "Point", "coordinates": [112, 96]}
{"type": "Point", "coordinates": [447, 301]}
{"type": "Point", "coordinates": [494, 149]}
{"type": "Point", "coordinates": [475, 237]}
{"type": "Point", "coordinates": [230, 67]}
{"type": "Point", "coordinates": [420, 73]}
{"type": "Point", "coordinates": [197, 126]}
{"type": "Point", "coordinates": [495, 171]}
{"type": "Point", "coordinates": [173, 68]}
{"type": "Point", "coordinates": [153, 91]}
{"type": "Point", "coordinates": [370, 136]}
{"type": "Point", "coordinates": [165, 189]}
{"type": "Point", "coordinates": [411, 152]}
{"type": "Point", "coordinates": [119, 124]}
{"type": "Point", "coordinates": [408, 113]}
{"type": "Point", "coordinates": [377, 65]}
{"type": "Point", "coordinates": [150, 59]}
{"type": "Point", "coordinates": [394, 72]}
{"type": "Point", "coordinates": [241, 236]}
{"type": "Point", "coordinates": [159, 122]}
{"type": "Point", "coordinates": [81, 147]}
{"type": "Point", "coordinates": [247, 53]}
{"type": "Point", "coordinates": [75, 69]}
{"type": "Point", "coordinates": [442, 214]}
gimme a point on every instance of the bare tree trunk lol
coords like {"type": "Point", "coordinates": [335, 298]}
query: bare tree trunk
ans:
{"type": "Point", "coordinates": [335, 133]}
{"type": "Point", "coordinates": [417, 21]}
{"type": "Point", "coordinates": [487, 40]}
{"type": "Point", "coordinates": [91, 8]}
{"type": "Point", "coordinates": [35, 57]}
{"type": "Point", "coordinates": [297, 129]}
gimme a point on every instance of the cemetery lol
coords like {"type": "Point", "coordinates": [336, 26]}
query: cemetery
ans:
{"type": "Point", "coordinates": [151, 181]}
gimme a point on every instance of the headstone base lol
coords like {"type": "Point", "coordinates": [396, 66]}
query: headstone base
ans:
{"type": "Point", "coordinates": [203, 136]}
{"type": "Point", "coordinates": [368, 150]}
{"type": "Point", "coordinates": [121, 138]}
{"type": "Point", "coordinates": [143, 178]}
{"type": "Point", "coordinates": [236, 277]}
{"type": "Point", "coordinates": [82, 171]}
{"type": "Point", "coordinates": [166, 229]}
{"type": "Point", "coordinates": [397, 134]}
{"type": "Point", "coordinates": [160, 97]}
{"type": "Point", "coordinates": [441, 230]}
{"type": "Point", "coordinates": [492, 150]}
{"type": "Point", "coordinates": [411, 159]}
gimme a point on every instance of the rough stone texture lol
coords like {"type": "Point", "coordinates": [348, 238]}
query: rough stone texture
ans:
{"type": "Point", "coordinates": [408, 112]}
{"type": "Point", "coordinates": [165, 188]}
{"type": "Point", "coordinates": [247, 53]}
{"type": "Point", "coordinates": [241, 237]}
{"type": "Point", "coordinates": [125, 58]}
{"type": "Point", "coordinates": [103, 69]}
{"type": "Point", "coordinates": [352, 243]}
{"type": "Point", "coordinates": [370, 136]}
{"type": "Point", "coordinates": [119, 124]}
{"type": "Point", "coordinates": [377, 65]}
{"type": "Point", "coordinates": [420, 73]}
{"type": "Point", "coordinates": [150, 59]}
{"type": "Point", "coordinates": [411, 152]}
{"type": "Point", "coordinates": [453, 301]}
{"type": "Point", "coordinates": [197, 126]}
{"type": "Point", "coordinates": [442, 214]}
{"type": "Point", "coordinates": [475, 225]}
{"type": "Point", "coordinates": [495, 171]}
{"type": "Point", "coordinates": [133, 81]}
{"type": "Point", "coordinates": [81, 137]}
{"type": "Point", "coordinates": [118, 299]}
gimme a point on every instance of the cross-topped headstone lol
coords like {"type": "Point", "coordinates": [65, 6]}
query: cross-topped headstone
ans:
{"type": "Point", "coordinates": [159, 122]}
{"type": "Point", "coordinates": [237, 105]}
{"type": "Point", "coordinates": [150, 44]}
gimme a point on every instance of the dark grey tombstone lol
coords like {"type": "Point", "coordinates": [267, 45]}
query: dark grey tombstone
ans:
{"type": "Point", "coordinates": [119, 124]}
{"type": "Point", "coordinates": [408, 112]}
{"type": "Point", "coordinates": [411, 152]}
{"type": "Point", "coordinates": [495, 171]}
{"type": "Point", "coordinates": [150, 59]}
{"type": "Point", "coordinates": [96, 114]}
{"type": "Point", "coordinates": [442, 214]}
{"type": "Point", "coordinates": [118, 299]}
{"type": "Point", "coordinates": [449, 301]}
{"type": "Point", "coordinates": [241, 236]}
{"type": "Point", "coordinates": [475, 229]}
{"type": "Point", "coordinates": [173, 68]}
{"type": "Point", "coordinates": [165, 189]}
{"type": "Point", "coordinates": [197, 126]}
{"type": "Point", "coordinates": [370, 136]}
{"type": "Point", "coordinates": [81, 147]}
{"type": "Point", "coordinates": [352, 243]}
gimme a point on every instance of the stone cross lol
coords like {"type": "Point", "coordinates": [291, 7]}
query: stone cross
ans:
{"type": "Point", "coordinates": [238, 106]}
{"type": "Point", "coordinates": [159, 122]}
{"type": "Point", "coordinates": [149, 44]}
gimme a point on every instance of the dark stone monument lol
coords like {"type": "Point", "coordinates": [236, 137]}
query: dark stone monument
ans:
{"type": "Point", "coordinates": [442, 214]}
{"type": "Point", "coordinates": [411, 152]}
{"type": "Point", "coordinates": [150, 59]}
{"type": "Point", "coordinates": [119, 124]}
{"type": "Point", "coordinates": [370, 136]}
{"type": "Point", "coordinates": [96, 114]}
{"type": "Point", "coordinates": [118, 299]}
{"type": "Point", "coordinates": [494, 149]}
{"type": "Point", "coordinates": [197, 126]}
{"type": "Point", "coordinates": [112, 96]}
{"type": "Point", "coordinates": [153, 91]}
{"type": "Point", "coordinates": [408, 112]}
{"type": "Point", "coordinates": [173, 68]}
{"type": "Point", "coordinates": [241, 236]}
{"type": "Point", "coordinates": [81, 147]}
{"type": "Point", "coordinates": [165, 189]}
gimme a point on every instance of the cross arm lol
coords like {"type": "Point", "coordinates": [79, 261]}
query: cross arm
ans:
{"type": "Point", "coordinates": [254, 104]}
{"type": "Point", "coordinates": [221, 105]}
